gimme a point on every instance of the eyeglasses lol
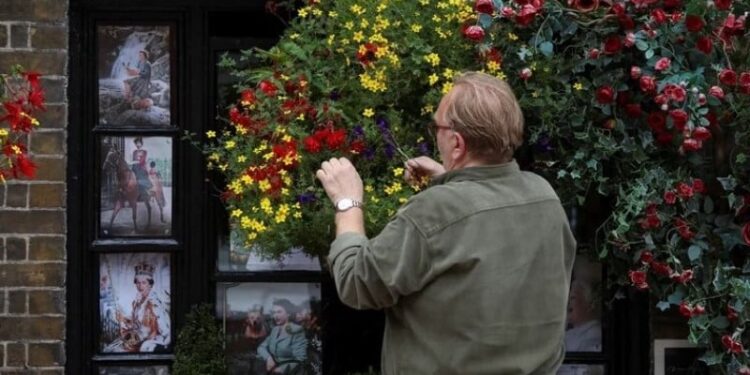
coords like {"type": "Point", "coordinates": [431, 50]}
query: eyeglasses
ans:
{"type": "Point", "coordinates": [433, 127]}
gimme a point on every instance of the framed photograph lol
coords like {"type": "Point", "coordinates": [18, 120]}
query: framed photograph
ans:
{"type": "Point", "coordinates": [134, 67]}
{"type": "Point", "coordinates": [584, 326]}
{"type": "Point", "coordinates": [235, 256]}
{"type": "Point", "coordinates": [271, 327]}
{"type": "Point", "coordinates": [136, 186]}
{"type": "Point", "coordinates": [133, 370]}
{"type": "Point", "coordinates": [581, 369]}
{"type": "Point", "coordinates": [678, 357]}
{"type": "Point", "coordinates": [134, 303]}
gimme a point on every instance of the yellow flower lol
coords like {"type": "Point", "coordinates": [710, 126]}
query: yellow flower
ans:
{"type": "Point", "coordinates": [349, 25]}
{"type": "Point", "coordinates": [293, 36]}
{"type": "Point", "coordinates": [437, 19]}
{"type": "Point", "coordinates": [317, 12]}
{"type": "Point", "coordinates": [356, 9]}
{"type": "Point", "coordinates": [446, 87]}
{"type": "Point", "coordinates": [229, 145]}
{"type": "Point", "coordinates": [247, 180]}
{"type": "Point", "coordinates": [512, 37]}
{"type": "Point", "coordinates": [433, 59]}
{"type": "Point", "coordinates": [381, 7]}
{"type": "Point", "coordinates": [368, 112]}
{"type": "Point", "coordinates": [364, 24]}
{"type": "Point", "coordinates": [424, 2]}
{"type": "Point", "coordinates": [368, 188]}
{"type": "Point", "coordinates": [493, 66]}
{"type": "Point", "coordinates": [265, 205]}
{"type": "Point", "coordinates": [402, 200]}
{"type": "Point", "coordinates": [578, 86]}
{"type": "Point", "coordinates": [264, 185]}
{"type": "Point", "coordinates": [535, 94]}
{"type": "Point", "coordinates": [416, 28]}
{"type": "Point", "coordinates": [398, 172]}
{"type": "Point", "coordinates": [241, 158]}
{"type": "Point", "coordinates": [432, 79]}
{"type": "Point", "coordinates": [236, 212]}
{"type": "Point", "coordinates": [427, 109]}
{"type": "Point", "coordinates": [333, 14]}
{"type": "Point", "coordinates": [358, 36]}
{"type": "Point", "coordinates": [302, 12]}
{"type": "Point", "coordinates": [501, 76]}
{"type": "Point", "coordinates": [209, 134]}
{"type": "Point", "coordinates": [448, 73]}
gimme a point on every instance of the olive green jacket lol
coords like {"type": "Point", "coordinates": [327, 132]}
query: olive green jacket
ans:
{"type": "Point", "coordinates": [473, 273]}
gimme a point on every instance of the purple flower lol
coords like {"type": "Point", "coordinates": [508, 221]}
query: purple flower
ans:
{"type": "Point", "coordinates": [334, 95]}
{"type": "Point", "coordinates": [424, 148]}
{"type": "Point", "coordinates": [390, 150]}
{"type": "Point", "coordinates": [369, 153]}
{"type": "Point", "coordinates": [543, 145]}
{"type": "Point", "coordinates": [306, 198]}
{"type": "Point", "coordinates": [382, 124]}
{"type": "Point", "coordinates": [358, 131]}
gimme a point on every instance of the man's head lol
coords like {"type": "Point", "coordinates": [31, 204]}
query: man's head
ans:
{"type": "Point", "coordinates": [478, 122]}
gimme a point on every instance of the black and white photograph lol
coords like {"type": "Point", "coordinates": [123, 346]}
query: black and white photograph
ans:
{"type": "Point", "coordinates": [570, 369]}
{"type": "Point", "coordinates": [271, 328]}
{"type": "Point", "coordinates": [136, 186]}
{"type": "Point", "coordinates": [678, 357]}
{"type": "Point", "coordinates": [134, 75]}
{"type": "Point", "coordinates": [134, 303]}
{"type": "Point", "coordinates": [235, 256]}
{"type": "Point", "coordinates": [584, 319]}
{"type": "Point", "coordinates": [133, 370]}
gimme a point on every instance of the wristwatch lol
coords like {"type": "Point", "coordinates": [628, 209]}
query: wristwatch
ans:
{"type": "Point", "coordinates": [344, 204]}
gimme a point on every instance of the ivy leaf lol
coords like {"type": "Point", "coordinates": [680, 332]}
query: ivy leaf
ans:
{"type": "Point", "coordinates": [498, 4]}
{"type": "Point", "coordinates": [720, 278]}
{"type": "Point", "coordinates": [676, 297]}
{"type": "Point", "coordinates": [712, 358]}
{"type": "Point", "coordinates": [485, 20]}
{"type": "Point", "coordinates": [662, 305]}
{"type": "Point", "coordinates": [649, 54]}
{"type": "Point", "coordinates": [708, 205]}
{"type": "Point", "coordinates": [547, 48]}
{"type": "Point", "coordinates": [728, 183]}
{"type": "Point", "coordinates": [641, 45]}
{"type": "Point", "coordinates": [720, 322]}
{"type": "Point", "coordinates": [694, 253]}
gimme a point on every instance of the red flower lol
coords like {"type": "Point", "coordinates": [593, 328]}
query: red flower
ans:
{"type": "Point", "coordinates": [605, 95]}
{"type": "Point", "coordinates": [701, 134]}
{"type": "Point", "coordinates": [705, 45]}
{"type": "Point", "coordinates": [584, 6]}
{"type": "Point", "coordinates": [635, 72]}
{"type": "Point", "coordinates": [16, 117]}
{"type": "Point", "coordinates": [732, 313]}
{"type": "Point", "coordinates": [336, 139]}
{"type": "Point", "coordinates": [626, 22]}
{"type": "Point", "coordinates": [699, 186]}
{"type": "Point", "coordinates": [686, 310]}
{"type": "Point", "coordinates": [647, 83]}
{"type": "Point", "coordinates": [691, 145]}
{"type": "Point", "coordinates": [670, 197]}
{"type": "Point", "coordinates": [694, 23]}
{"type": "Point", "coordinates": [484, 6]}
{"type": "Point", "coordinates": [367, 55]}
{"type": "Point", "coordinates": [679, 118]}
{"type": "Point", "coordinates": [672, 3]}
{"type": "Point", "coordinates": [311, 144]}
{"type": "Point", "coordinates": [664, 138]}
{"type": "Point", "coordinates": [508, 12]}
{"type": "Point", "coordinates": [744, 371]}
{"type": "Point", "coordinates": [629, 40]}
{"type": "Point", "coordinates": [248, 97]}
{"type": "Point", "coordinates": [723, 4]}
{"type": "Point", "coordinates": [612, 44]}
{"type": "Point", "coordinates": [663, 64]}
{"type": "Point", "coordinates": [633, 110]}
{"type": "Point", "coordinates": [683, 229]}
{"type": "Point", "coordinates": [267, 88]}
{"type": "Point", "coordinates": [594, 53]}
{"type": "Point", "coordinates": [732, 346]}
{"type": "Point", "coordinates": [684, 190]}
{"type": "Point", "coordinates": [728, 77]}
{"type": "Point", "coordinates": [746, 233]}
{"type": "Point", "coordinates": [661, 268]}
{"type": "Point", "coordinates": [657, 121]}
{"type": "Point", "coordinates": [474, 32]}
{"type": "Point", "coordinates": [357, 146]}
{"type": "Point", "coordinates": [618, 9]}
{"type": "Point", "coordinates": [659, 16]}
{"type": "Point", "coordinates": [646, 257]}
{"type": "Point", "coordinates": [716, 92]}
{"type": "Point", "coordinates": [638, 279]}
{"type": "Point", "coordinates": [525, 74]}
{"type": "Point", "coordinates": [526, 15]}
{"type": "Point", "coordinates": [674, 92]}
{"type": "Point", "coordinates": [683, 277]}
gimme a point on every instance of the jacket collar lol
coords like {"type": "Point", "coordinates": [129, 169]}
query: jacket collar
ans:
{"type": "Point", "coordinates": [477, 173]}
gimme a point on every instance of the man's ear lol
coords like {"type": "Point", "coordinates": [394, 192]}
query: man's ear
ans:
{"type": "Point", "coordinates": [459, 147]}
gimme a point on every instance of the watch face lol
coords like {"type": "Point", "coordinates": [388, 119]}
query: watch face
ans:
{"type": "Point", "coordinates": [343, 204]}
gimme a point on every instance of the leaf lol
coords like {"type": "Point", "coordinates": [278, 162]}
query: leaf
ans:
{"type": "Point", "coordinates": [720, 279]}
{"type": "Point", "coordinates": [662, 305]}
{"type": "Point", "coordinates": [712, 358]}
{"type": "Point", "coordinates": [676, 297]}
{"type": "Point", "coordinates": [485, 20]}
{"type": "Point", "coordinates": [641, 45]}
{"type": "Point", "coordinates": [728, 183]}
{"type": "Point", "coordinates": [720, 322]}
{"type": "Point", "coordinates": [694, 253]}
{"type": "Point", "coordinates": [547, 49]}
{"type": "Point", "coordinates": [294, 50]}
{"type": "Point", "coordinates": [708, 205]}
{"type": "Point", "coordinates": [649, 54]}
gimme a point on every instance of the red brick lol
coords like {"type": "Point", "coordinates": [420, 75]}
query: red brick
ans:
{"type": "Point", "coordinates": [17, 302]}
{"type": "Point", "coordinates": [46, 37]}
{"type": "Point", "coordinates": [32, 328]}
{"type": "Point", "coordinates": [47, 195]}
{"type": "Point", "coordinates": [15, 248]}
{"type": "Point", "coordinates": [31, 275]}
{"type": "Point", "coordinates": [16, 354]}
{"type": "Point", "coordinates": [49, 169]}
{"type": "Point", "coordinates": [46, 355]}
{"type": "Point", "coordinates": [16, 195]}
{"type": "Point", "coordinates": [47, 248]}
{"type": "Point", "coordinates": [46, 302]}
{"type": "Point", "coordinates": [32, 221]}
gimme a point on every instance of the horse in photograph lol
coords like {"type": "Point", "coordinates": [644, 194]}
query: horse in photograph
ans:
{"type": "Point", "coordinates": [127, 187]}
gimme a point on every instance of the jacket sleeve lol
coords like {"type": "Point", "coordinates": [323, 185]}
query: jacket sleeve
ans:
{"type": "Point", "coordinates": [263, 348]}
{"type": "Point", "coordinates": [375, 273]}
{"type": "Point", "coordinates": [299, 347]}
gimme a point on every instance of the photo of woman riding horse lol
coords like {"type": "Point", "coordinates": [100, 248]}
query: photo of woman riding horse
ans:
{"type": "Point", "coordinates": [136, 183]}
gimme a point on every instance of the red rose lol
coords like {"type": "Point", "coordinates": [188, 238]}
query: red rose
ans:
{"type": "Point", "coordinates": [694, 23]}
{"type": "Point", "coordinates": [684, 190]}
{"type": "Point", "coordinates": [663, 64]}
{"type": "Point", "coordinates": [594, 53]}
{"type": "Point", "coordinates": [336, 139]}
{"type": "Point", "coordinates": [723, 4]}
{"type": "Point", "coordinates": [685, 309]}
{"type": "Point", "coordinates": [679, 118]}
{"type": "Point", "coordinates": [705, 45]}
{"type": "Point", "coordinates": [716, 92]}
{"type": "Point", "coordinates": [638, 279]}
{"type": "Point", "coordinates": [732, 345]}
{"type": "Point", "coordinates": [745, 79]}
{"type": "Point", "coordinates": [508, 12]}
{"type": "Point", "coordinates": [267, 88]}
{"type": "Point", "coordinates": [698, 310]}
{"type": "Point", "coordinates": [618, 9]}
{"type": "Point", "coordinates": [701, 134]}
{"type": "Point", "coordinates": [728, 77]}
{"type": "Point", "coordinates": [744, 371]}
{"type": "Point", "coordinates": [674, 92]}
{"type": "Point", "coordinates": [626, 22]}
{"type": "Point", "coordinates": [713, 121]}
{"type": "Point", "coordinates": [629, 40]}
{"type": "Point", "coordinates": [526, 15]}
{"type": "Point", "coordinates": [670, 197]}
{"type": "Point", "coordinates": [525, 74]}
{"type": "Point", "coordinates": [475, 33]}
{"type": "Point", "coordinates": [605, 95]}
{"type": "Point", "coordinates": [672, 3]}
{"type": "Point", "coordinates": [248, 97]}
{"type": "Point", "coordinates": [683, 229]}
{"type": "Point", "coordinates": [659, 16]}
{"type": "Point", "coordinates": [646, 257]}
{"type": "Point", "coordinates": [612, 45]}
{"type": "Point", "coordinates": [648, 84]}
{"type": "Point", "coordinates": [746, 233]}
{"type": "Point", "coordinates": [635, 72]}
{"type": "Point", "coordinates": [584, 6]}
{"type": "Point", "coordinates": [664, 138]}
{"type": "Point", "coordinates": [684, 277]}
{"type": "Point", "coordinates": [661, 268]}
{"type": "Point", "coordinates": [484, 6]}
{"type": "Point", "coordinates": [311, 144]}
{"type": "Point", "coordinates": [357, 147]}
{"type": "Point", "coordinates": [732, 313]}
{"type": "Point", "coordinates": [690, 145]}
{"type": "Point", "coordinates": [657, 121]}
{"type": "Point", "coordinates": [633, 110]}
{"type": "Point", "coordinates": [699, 186]}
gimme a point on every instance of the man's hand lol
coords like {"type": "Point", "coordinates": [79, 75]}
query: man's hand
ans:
{"type": "Point", "coordinates": [340, 180]}
{"type": "Point", "coordinates": [270, 364]}
{"type": "Point", "coordinates": [421, 166]}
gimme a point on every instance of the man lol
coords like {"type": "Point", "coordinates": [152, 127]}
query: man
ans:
{"type": "Point", "coordinates": [474, 271]}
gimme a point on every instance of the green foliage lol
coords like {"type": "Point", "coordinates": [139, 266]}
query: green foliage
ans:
{"type": "Point", "coordinates": [200, 345]}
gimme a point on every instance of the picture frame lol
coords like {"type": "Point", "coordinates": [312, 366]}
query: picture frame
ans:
{"type": "Point", "coordinates": [135, 75]}
{"type": "Point", "coordinates": [235, 256]}
{"type": "Point", "coordinates": [677, 357]}
{"type": "Point", "coordinates": [135, 292]}
{"type": "Point", "coordinates": [277, 320]}
{"type": "Point", "coordinates": [136, 186]}
{"type": "Point", "coordinates": [132, 370]}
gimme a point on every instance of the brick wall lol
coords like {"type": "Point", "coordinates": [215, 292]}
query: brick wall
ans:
{"type": "Point", "coordinates": [34, 33]}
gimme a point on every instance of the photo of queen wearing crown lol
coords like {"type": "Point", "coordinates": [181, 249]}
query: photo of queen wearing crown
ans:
{"type": "Point", "coordinates": [134, 303]}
